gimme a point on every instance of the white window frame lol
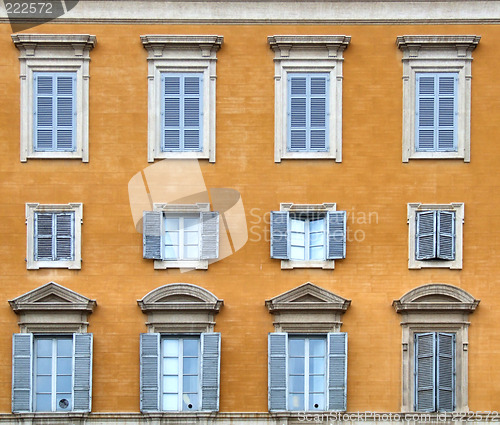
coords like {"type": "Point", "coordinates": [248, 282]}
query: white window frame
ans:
{"type": "Point", "coordinates": [55, 53]}
{"type": "Point", "coordinates": [181, 234]}
{"type": "Point", "coordinates": [413, 208]}
{"type": "Point", "coordinates": [437, 54]}
{"type": "Point", "coordinates": [181, 54]}
{"type": "Point", "coordinates": [31, 210]}
{"type": "Point", "coordinates": [308, 54]}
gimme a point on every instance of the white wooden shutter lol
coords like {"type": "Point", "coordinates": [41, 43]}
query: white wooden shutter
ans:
{"type": "Point", "coordinates": [22, 373]}
{"type": "Point", "coordinates": [425, 372]}
{"type": "Point", "coordinates": [277, 371]}
{"type": "Point", "coordinates": [44, 236]}
{"type": "Point", "coordinates": [279, 235]}
{"type": "Point", "coordinates": [445, 371]}
{"type": "Point", "coordinates": [209, 235]}
{"type": "Point", "coordinates": [152, 235]}
{"type": "Point", "coordinates": [210, 371]}
{"type": "Point", "coordinates": [337, 371]}
{"type": "Point", "coordinates": [446, 235]}
{"type": "Point", "coordinates": [64, 236]}
{"type": "Point", "coordinates": [425, 237]}
{"type": "Point", "coordinates": [82, 372]}
{"type": "Point", "coordinates": [150, 372]}
{"type": "Point", "coordinates": [336, 235]}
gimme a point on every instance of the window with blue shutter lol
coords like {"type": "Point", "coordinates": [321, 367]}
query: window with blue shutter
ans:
{"type": "Point", "coordinates": [182, 112]}
{"type": "Point", "coordinates": [54, 236]}
{"type": "Point", "coordinates": [435, 235]}
{"type": "Point", "coordinates": [434, 372]}
{"type": "Point", "coordinates": [54, 112]}
{"type": "Point", "coordinates": [308, 112]}
{"type": "Point", "coordinates": [436, 112]}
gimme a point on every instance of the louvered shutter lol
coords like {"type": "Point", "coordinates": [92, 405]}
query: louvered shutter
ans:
{"type": "Point", "coordinates": [44, 115]}
{"type": "Point", "coordinates": [336, 235]}
{"type": "Point", "coordinates": [44, 236]}
{"type": "Point", "coordinates": [425, 372]}
{"type": "Point", "coordinates": [279, 235]}
{"type": "Point", "coordinates": [447, 116]}
{"type": "Point", "coordinates": [65, 125]}
{"type": "Point", "coordinates": [64, 236]}
{"type": "Point", "coordinates": [318, 136]}
{"type": "Point", "coordinates": [425, 123]}
{"type": "Point", "coordinates": [209, 235]}
{"type": "Point", "coordinates": [297, 113]}
{"type": "Point", "coordinates": [82, 372]}
{"type": "Point", "coordinates": [152, 235]}
{"type": "Point", "coordinates": [22, 375]}
{"type": "Point", "coordinates": [150, 372]}
{"type": "Point", "coordinates": [277, 371]}
{"type": "Point", "coordinates": [445, 372]}
{"type": "Point", "coordinates": [193, 109]}
{"type": "Point", "coordinates": [210, 371]}
{"type": "Point", "coordinates": [425, 235]}
{"type": "Point", "coordinates": [446, 235]}
{"type": "Point", "coordinates": [337, 371]}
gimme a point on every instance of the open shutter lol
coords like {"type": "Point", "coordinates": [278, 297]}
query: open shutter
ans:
{"type": "Point", "coordinates": [22, 361]}
{"type": "Point", "coordinates": [425, 120]}
{"type": "Point", "coordinates": [336, 235]}
{"type": "Point", "coordinates": [151, 234]}
{"type": "Point", "coordinates": [337, 371]}
{"type": "Point", "coordinates": [65, 236]}
{"type": "Point", "coordinates": [445, 372]}
{"type": "Point", "coordinates": [66, 113]}
{"type": "Point", "coordinates": [150, 372]}
{"type": "Point", "coordinates": [425, 372]}
{"type": "Point", "coordinates": [209, 235]}
{"type": "Point", "coordinates": [43, 118]}
{"type": "Point", "coordinates": [426, 235]}
{"type": "Point", "coordinates": [43, 236]}
{"type": "Point", "coordinates": [279, 235]}
{"type": "Point", "coordinates": [447, 116]}
{"type": "Point", "coordinates": [277, 371]}
{"type": "Point", "coordinates": [210, 371]}
{"type": "Point", "coordinates": [318, 136]}
{"type": "Point", "coordinates": [446, 235]}
{"type": "Point", "coordinates": [193, 109]}
{"type": "Point", "coordinates": [82, 372]}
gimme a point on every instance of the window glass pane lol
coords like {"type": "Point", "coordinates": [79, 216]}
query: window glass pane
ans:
{"type": "Point", "coordinates": [170, 384]}
{"type": "Point", "coordinates": [191, 224]}
{"type": "Point", "coordinates": [44, 347]}
{"type": "Point", "coordinates": [296, 402]}
{"type": "Point", "coordinates": [190, 365]}
{"type": "Point", "coordinates": [169, 401]}
{"type": "Point", "coordinates": [297, 253]}
{"type": "Point", "coordinates": [297, 225]}
{"type": "Point", "coordinates": [44, 365]}
{"type": "Point", "coordinates": [65, 347]}
{"type": "Point", "coordinates": [171, 252]}
{"type": "Point", "coordinates": [63, 384]}
{"type": "Point", "coordinates": [296, 365]}
{"type": "Point", "coordinates": [170, 347]}
{"type": "Point", "coordinates": [298, 239]}
{"type": "Point", "coordinates": [191, 252]}
{"type": "Point", "coordinates": [317, 347]}
{"type": "Point", "coordinates": [316, 383]}
{"type": "Point", "coordinates": [317, 225]}
{"type": "Point", "coordinates": [190, 347]}
{"type": "Point", "coordinates": [191, 238]}
{"type": "Point", "coordinates": [171, 224]}
{"type": "Point", "coordinates": [64, 365]}
{"type": "Point", "coordinates": [171, 238]}
{"type": "Point", "coordinates": [190, 384]}
{"type": "Point", "coordinates": [296, 383]}
{"type": "Point", "coordinates": [296, 347]}
{"type": "Point", "coordinates": [317, 365]}
{"type": "Point", "coordinates": [316, 402]}
{"type": "Point", "coordinates": [43, 384]}
{"type": "Point", "coordinates": [190, 400]}
{"type": "Point", "coordinates": [171, 366]}
{"type": "Point", "coordinates": [317, 253]}
{"type": "Point", "coordinates": [63, 401]}
{"type": "Point", "coordinates": [317, 238]}
{"type": "Point", "coordinates": [43, 402]}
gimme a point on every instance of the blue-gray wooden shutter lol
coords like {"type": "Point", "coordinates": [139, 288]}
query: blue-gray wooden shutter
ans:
{"type": "Point", "coordinates": [44, 236]}
{"type": "Point", "coordinates": [43, 111]}
{"type": "Point", "coordinates": [22, 374]}
{"type": "Point", "coordinates": [64, 236]}
{"type": "Point", "coordinates": [82, 372]}
{"type": "Point", "coordinates": [318, 136]}
{"type": "Point", "coordinates": [66, 113]}
{"type": "Point", "coordinates": [297, 113]}
{"type": "Point", "coordinates": [425, 120]}
{"type": "Point", "coordinates": [446, 235]}
{"type": "Point", "coordinates": [447, 115]}
{"type": "Point", "coordinates": [182, 112]}
{"type": "Point", "coordinates": [336, 235]}
{"type": "Point", "coordinates": [277, 371]}
{"type": "Point", "coordinates": [209, 235]}
{"type": "Point", "coordinates": [152, 235]}
{"type": "Point", "coordinates": [425, 238]}
{"type": "Point", "coordinates": [150, 372]}
{"type": "Point", "coordinates": [445, 371]}
{"type": "Point", "coordinates": [279, 235]}
{"type": "Point", "coordinates": [337, 371]}
{"type": "Point", "coordinates": [425, 372]}
{"type": "Point", "coordinates": [210, 371]}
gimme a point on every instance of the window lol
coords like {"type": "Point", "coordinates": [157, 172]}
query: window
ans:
{"type": "Point", "coordinates": [434, 372]}
{"type": "Point", "coordinates": [437, 95]}
{"type": "Point", "coordinates": [185, 236]}
{"type": "Point", "coordinates": [54, 95]}
{"type": "Point", "coordinates": [308, 96]}
{"type": "Point", "coordinates": [54, 236]}
{"type": "Point", "coordinates": [435, 347]}
{"type": "Point", "coordinates": [308, 235]}
{"type": "Point", "coordinates": [182, 76]}
{"type": "Point", "coordinates": [435, 238]}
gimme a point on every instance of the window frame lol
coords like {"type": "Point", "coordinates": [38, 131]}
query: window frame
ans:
{"type": "Point", "coordinates": [412, 209]}
{"type": "Point", "coordinates": [65, 53]}
{"type": "Point", "coordinates": [32, 209]}
{"type": "Point", "coordinates": [437, 54]}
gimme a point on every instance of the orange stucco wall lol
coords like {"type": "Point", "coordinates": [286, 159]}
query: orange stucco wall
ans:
{"type": "Point", "coordinates": [371, 179]}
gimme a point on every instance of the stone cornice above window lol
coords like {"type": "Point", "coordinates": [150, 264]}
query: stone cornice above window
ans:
{"type": "Point", "coordinates": [306, 208]}
{"type": "Point", "coordinates": [412, 44]}
{"type": "Point", "coordinates": [37, 44]}
{"type": "Point", "coordinates": [157, 44]}
{"type": "Point", "coordinates": [308, 308]}
{"type": "Point", "coordinates": [334, 44]}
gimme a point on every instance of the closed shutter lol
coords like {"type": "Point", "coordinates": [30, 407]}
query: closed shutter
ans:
{"type": "Point", "coordinates": [336, 235]}
{"type": "Point", "coordinates": [425, 377]}
{"type": "Point", "coordinates": [210, 371]}
{"type": "Point", "coordinates": [209, 235]}
{"type": "Point", "coordinates": [445, 372]}
{"type": "Point", "coordinates": [64, 236]}
{"type": "Point", "coordinates": [66, 113]}
{"type": "Point", "coordinates": [425, 235]}
{"type": "Point", "coordinates": [182, 112]}
{"type": "Point", "coordinates": [446, 235]}
{"type": "Point", "coordinates": [152, 235]}
{"type": "Point", "coordinates": [447, 112]}
{"type": "Point", "coordinates": [82, 372]}
{"type": "Point", "coordinates": [22, 352]}
{"type": "Point", "coordinates": [150, 372]}
{"type": "Point", "coordinates": [277, 371]}
{"type": "Point", "coordinates": [43, 237]}
{"type": "Point", "coordinates": [44, 112]}
{"type": "Point", "coordinates": [337, 371]}
{"type": "Point", "coordinates": [279, 235]}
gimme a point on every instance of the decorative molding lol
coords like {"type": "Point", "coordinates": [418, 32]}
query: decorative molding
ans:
{"type": "Point", "coordinates": [157, 44]}
{"type": "Point", "coordinates": [36, 44]}
{"type": "Point", "coordinates": [412, 44]}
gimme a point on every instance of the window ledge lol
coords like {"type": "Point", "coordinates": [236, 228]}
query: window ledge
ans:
{"type": "Point", "coordinates": [319, 264]}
